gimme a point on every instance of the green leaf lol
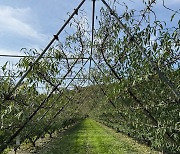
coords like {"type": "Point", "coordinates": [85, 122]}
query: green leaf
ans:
{"type": "Point", "coordinates": [172, 17]}
{"type": "Point", "coordinates": [4, 66]}
{"type": "Point", "coordinates": [155, 46]}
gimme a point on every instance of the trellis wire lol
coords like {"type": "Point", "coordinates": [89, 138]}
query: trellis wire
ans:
{"type": "Point", "coordinates": [54, 102]}
{"type": "Point", "coordinates": [46, 48]}
{"type": "Point", "coordinates": [4, 145]}
{"type": "Point", "coordinates": [23, 56]}
{"type": "Point", "coordinates": [142, 49]}
{"type": "Point", "coordinates": [54, 116]}
{"type": "Point", "coordinates": [145, 111]}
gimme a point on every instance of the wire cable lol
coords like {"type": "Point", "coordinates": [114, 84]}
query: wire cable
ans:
{"type": "Point", "coordinates": [46, 48]}
{"type": "Point", "coordinates": [142, 49]}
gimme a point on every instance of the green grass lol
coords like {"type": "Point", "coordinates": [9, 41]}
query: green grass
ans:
{"type": "Point", "coordinates": [90, 137]}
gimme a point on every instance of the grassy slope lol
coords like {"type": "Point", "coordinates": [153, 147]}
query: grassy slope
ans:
{"type": "Point", "coordinates": [90, 137]}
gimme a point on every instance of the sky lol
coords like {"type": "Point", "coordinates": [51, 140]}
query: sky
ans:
{"type": "Point", "coordinates": [32, 23]}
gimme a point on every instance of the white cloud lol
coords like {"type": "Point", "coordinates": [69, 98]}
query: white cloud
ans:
{"type": "Point", "coordinates": [14, 21]}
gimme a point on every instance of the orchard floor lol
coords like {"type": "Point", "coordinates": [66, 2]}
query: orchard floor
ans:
{"type": "Point", "coordinates": [91, 137]}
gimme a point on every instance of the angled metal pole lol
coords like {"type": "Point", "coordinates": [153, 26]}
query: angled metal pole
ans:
{"type": "Point", "coordinates": [5, 144]}
{"type": "Point", "coordinates": [92, 35]}
{"type": "Point", "coordinates": [46, 48]}
{"type": "Point", "coordinates": [142, 49]}
{"type": "Point", "coordinates": [54, 102]}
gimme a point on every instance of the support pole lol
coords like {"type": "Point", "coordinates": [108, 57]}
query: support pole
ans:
{"type": "Point", "coordinates": [5, 144]}
{"type": "Point", "coordinates": [92, 36]}
{"type": "Point", "coordinates": [142, 49]}
{"type": "Point", "coordinates": [46, 48]}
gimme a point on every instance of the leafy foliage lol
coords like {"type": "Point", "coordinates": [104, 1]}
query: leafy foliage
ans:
{"type": "Point", "coordinates": [123, 89]}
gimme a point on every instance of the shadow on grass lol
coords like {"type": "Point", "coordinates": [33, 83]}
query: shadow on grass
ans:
{"type": "Point", "coordinates": [70, 143]}
{"type": "Point", "coordinates": [90, 137]}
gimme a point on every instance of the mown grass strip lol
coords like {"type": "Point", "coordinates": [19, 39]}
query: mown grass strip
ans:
{"type": "Point", "coordinates": [90, 137]}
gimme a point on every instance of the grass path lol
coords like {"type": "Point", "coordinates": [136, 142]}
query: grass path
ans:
{"type": "Point", "coordinates": [90, 137]}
